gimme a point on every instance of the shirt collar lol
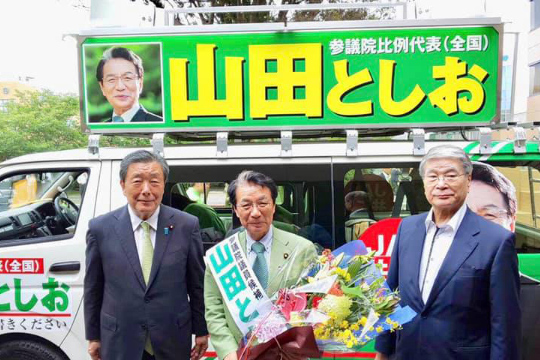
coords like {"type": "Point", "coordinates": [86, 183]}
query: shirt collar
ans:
{"type": "Point", "coordinates": [266, 240]}
{"type": "Point", "coordinates": [454, 222]}
{"type": "Point", "coordinates": [128, 115]}
{"type": "Point", "coordinates": [136, 221]}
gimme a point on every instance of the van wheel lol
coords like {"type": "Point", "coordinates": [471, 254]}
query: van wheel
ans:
{"type": "Point", "coordinates": [28, 350]}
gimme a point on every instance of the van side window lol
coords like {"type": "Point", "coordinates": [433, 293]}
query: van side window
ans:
{"type": "Point", "coordinates": [525, 206]}
{"type": "Point", "coordinates": [303, 204]}
{"type": "Point", "coordinates": [372, 194]}
{"type": "Point", "coordinates": [40, 205]}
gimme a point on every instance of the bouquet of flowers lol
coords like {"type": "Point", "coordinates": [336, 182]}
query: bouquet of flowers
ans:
{"type": "Point", "coordinates": [340, 303]}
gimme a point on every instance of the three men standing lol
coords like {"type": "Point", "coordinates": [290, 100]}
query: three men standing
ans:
{"type": "Point", "coordinates": [457, 270]}
{"type": "Point", "coordinates": [143, 295]}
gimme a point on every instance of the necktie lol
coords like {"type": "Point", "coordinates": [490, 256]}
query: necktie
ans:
{"type": "Point", "coordinates": [117, 119]}
{"type": "Point", "coordinates": [147, 252]}
{"type": "Point", "coordinates": [259, 266]}
{"type": "Point", "coordinates": [147, 255]}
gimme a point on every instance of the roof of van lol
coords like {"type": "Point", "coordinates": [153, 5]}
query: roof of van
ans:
{"type": "Point", "coordinates": [366, 149]}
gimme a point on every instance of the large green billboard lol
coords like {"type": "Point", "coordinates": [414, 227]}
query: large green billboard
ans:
{"type": "Point", "coordinates": [310, 79]}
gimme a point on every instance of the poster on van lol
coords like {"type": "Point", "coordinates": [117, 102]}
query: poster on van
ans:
{"type": "Point", "coordinates": [124, 84]}
{"type": "Point", "coordinates": [31, 301]}
{"type": "Point", "coordinates": [387, 77]}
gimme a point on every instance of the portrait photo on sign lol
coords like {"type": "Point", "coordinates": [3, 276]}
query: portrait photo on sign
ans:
{"type": "Point", "coordinates": [123, 83]}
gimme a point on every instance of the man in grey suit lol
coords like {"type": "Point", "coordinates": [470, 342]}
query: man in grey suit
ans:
{"type": "Point", "coordinates": [141, 303]}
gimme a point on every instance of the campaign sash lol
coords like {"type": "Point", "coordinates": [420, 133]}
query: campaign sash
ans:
{"type": "Point", "coordinates": [242, 293]}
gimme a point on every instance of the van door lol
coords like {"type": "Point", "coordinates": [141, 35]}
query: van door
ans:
{"type": "Point", "coordinates": [44, 216]}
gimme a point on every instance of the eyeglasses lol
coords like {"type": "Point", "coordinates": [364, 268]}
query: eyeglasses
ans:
{"type": "Point", "coordinates": [127, 79]}
{"type": "Point", "coordinates": [248, 207]}
{"type": "Point", "coordinates": [446, 178]}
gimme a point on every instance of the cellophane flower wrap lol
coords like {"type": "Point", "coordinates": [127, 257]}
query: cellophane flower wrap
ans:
{"type": "Point", "coordinates": [342, 297]}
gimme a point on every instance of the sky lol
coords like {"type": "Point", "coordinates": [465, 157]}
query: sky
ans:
{"type": "Point", "coordinates": [34, 44]}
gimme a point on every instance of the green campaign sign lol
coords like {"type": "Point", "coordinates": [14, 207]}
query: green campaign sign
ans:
{"type": "Point", "coordinates": [346, 79]}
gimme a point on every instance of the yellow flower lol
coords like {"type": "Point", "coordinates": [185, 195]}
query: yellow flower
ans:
{"type": "Point", "coordinates": [344, 324]}
{"type": "Point", "coordinates": [337, 307]}
{"type": "Point", "coordinates": [355, 327]}
{"type": "Point", "coordinates": [363, 321]}
{"type": "Point", "coordinates": [379, 329]}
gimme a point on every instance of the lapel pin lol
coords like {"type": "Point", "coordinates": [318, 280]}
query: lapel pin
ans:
{"type": "Point", "coordinates": [285, 256]}
{"type": "Point", "coordinates": [168, 229]}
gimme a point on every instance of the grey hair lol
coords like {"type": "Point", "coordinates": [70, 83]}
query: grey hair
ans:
{"type": "Point", "coordinates": [142, 156]}
{"type": "Point", "coordinates": [446, 152]}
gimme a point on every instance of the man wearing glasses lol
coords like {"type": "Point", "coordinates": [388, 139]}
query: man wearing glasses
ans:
{"type": "Point", "coordinates": [457, 270]}
{"type": "Point", "coordinates": [276, 256]}
{"type": "Point", "coordinates": [120, 75]}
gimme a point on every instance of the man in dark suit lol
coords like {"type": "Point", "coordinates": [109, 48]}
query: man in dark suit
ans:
{"type": "Point", "coordinates": [457, 270]}
{"type": "Point", "coordinates": [120, 74]}
{"type": "Point", "coordinates": [141, 303]}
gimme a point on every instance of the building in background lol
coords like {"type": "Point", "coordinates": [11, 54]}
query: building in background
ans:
{"type": "Point", "coordinates": [514, 14]}
{"type": "Point", "coordinates": [533, 101]}
{"type": "Point", "coordinates": [10, 89]}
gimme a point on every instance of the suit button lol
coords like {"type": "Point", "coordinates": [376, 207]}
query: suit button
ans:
{"type": "Point", "coordinates": [147, 300]}
{"type": "Point", "coordinates": [144, 327]}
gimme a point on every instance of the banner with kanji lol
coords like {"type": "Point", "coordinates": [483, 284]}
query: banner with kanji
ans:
{"type": "Point", "coordinates": [242, 293]}
{"type": "Point", "coordinates": [31, 301]}
{"type": "Point", "coordinates": [372, 77]}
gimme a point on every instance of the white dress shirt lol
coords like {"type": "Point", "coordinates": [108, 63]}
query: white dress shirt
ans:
{"type": "Point", "coordinates": [128, 115]}
{"type": "Point", "coordinates": [138, 231]}
{"type": "Point", "coordinates": [266, 241]}
{"type": "Point", "coordinates": [432, 258]}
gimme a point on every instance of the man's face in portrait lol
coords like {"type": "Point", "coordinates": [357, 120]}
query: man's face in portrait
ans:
{"type": "Point", "coordinates": [488, 202]}
{"type": "Point", "coordinates": [121, 85]}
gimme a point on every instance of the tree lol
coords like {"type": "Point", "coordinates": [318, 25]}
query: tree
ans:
{"type": "Point", "coordinates": [44, 121]}
{"type": "Point", "coordinates": [40, 121]}
{"type": "Point", "coordinates": [262, 17]}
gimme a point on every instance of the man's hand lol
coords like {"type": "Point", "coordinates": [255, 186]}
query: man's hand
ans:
{"type": "Point", "coordinates": [201, 344]}
{"type": "Point", "coordinates": [94, 347]}
{"type": "Point", "coordinates": [231, 356]}
{"type": "Point", "coordinates": [381, 356]}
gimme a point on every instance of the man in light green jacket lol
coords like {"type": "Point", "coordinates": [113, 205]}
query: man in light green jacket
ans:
{"type": "Point", "coordinates": [277, 257]}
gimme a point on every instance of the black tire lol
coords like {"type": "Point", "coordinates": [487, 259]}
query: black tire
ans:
{"type": "Point", "coordinates": [28, 350]}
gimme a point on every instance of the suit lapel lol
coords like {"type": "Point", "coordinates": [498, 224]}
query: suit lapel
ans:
{"type": "Point", "coordinates": [124, 232]}
{"type": "Point", "coordinates": [164, 221]}
{"type": "Point", "coordinates": [414, 258]}
{"type": "Point", "coordinates": [139, 115]}
{"type": "Point", "coordinates": [462, 246]}
{"type": "Point", "coordinates": [280, 256]}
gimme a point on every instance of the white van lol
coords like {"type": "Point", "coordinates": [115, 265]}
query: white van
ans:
{"type": "Point", "coordinates": [52, 196]}
{"type": "Point", "coordinates": [251, 82]}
